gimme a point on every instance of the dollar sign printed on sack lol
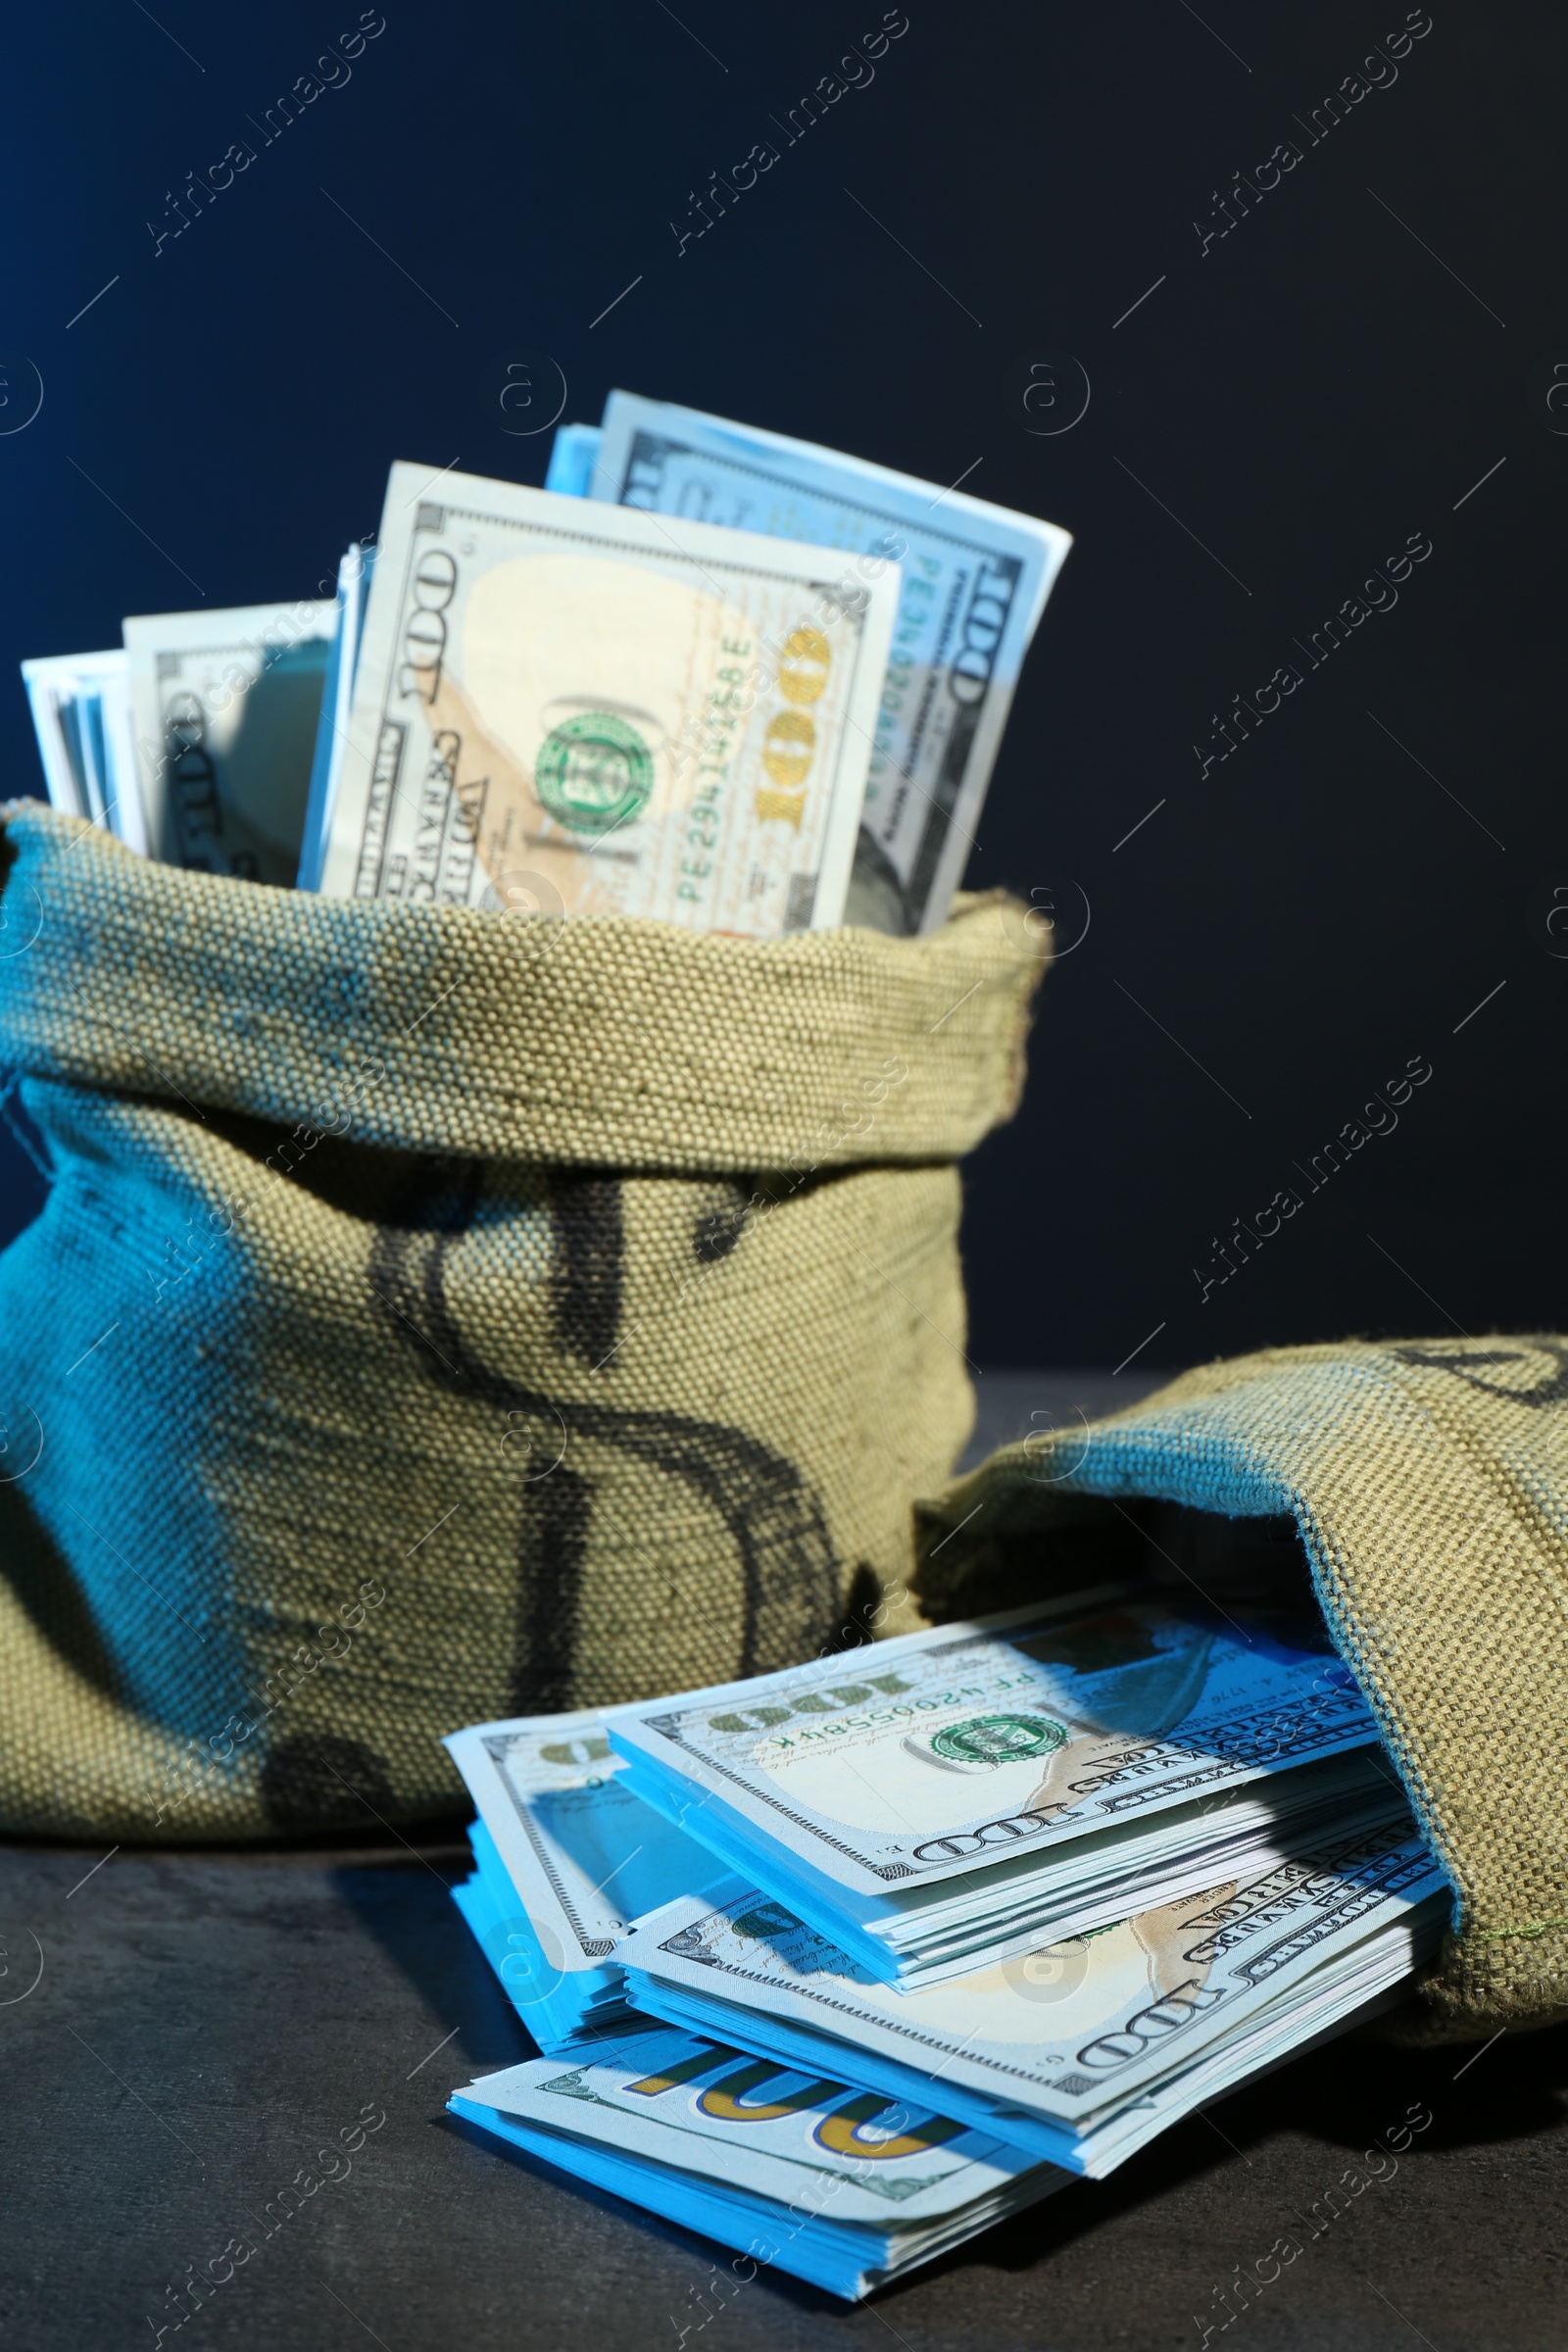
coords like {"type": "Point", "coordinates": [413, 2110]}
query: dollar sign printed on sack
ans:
{"type": "Point", "coordinates": [790, 1572]}
{"type": "Point", "coordinates": [1552, 1388]}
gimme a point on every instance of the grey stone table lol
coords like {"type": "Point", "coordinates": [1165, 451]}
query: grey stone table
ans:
{"type": "Point", "coordinates": [179, 2033]}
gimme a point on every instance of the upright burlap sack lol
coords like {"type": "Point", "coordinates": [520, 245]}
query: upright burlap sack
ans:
{"type": "Point", "coordinates": [1429, 1484]}
{"type": "Point", "coordinates": [439, 1315]}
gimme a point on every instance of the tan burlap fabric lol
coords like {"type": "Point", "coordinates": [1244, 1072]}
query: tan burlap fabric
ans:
{"type": "Point", "coordinates": [1429, 1482]}
{"type": "Point", "coordinates": [440, 1316]}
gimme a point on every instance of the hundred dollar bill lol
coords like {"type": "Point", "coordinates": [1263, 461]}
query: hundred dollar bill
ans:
{"type": "Point", "coordinates": [571, 1861]}
{"type": "Point", "coordinates": [577, 711]}
{"type": "Point", "coordinates": [964, 1787]}
{"type": "Point", "coordinates": [567, 1858]}
{"type": "Point", "coordinates": [840, 2186]}
{"type": "Point", "coordinates": [975, 582]}
{"type": "Point", "coordinates": [81, 704]}
{"type": "Point", "coordinates": [224, 708]}
{"type": "Point", "coordinates": [1056, 2049]}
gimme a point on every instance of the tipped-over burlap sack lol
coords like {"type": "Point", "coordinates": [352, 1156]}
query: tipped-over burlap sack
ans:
{"type": "Point", "coordinates": [1429, 1484]}
{"type": "Point", "coordinates": [439, 1315]}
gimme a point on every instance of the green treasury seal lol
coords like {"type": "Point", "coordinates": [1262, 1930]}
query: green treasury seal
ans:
{"type": "Point", "coordinates": [594, 772]}
{"type": "Point", "coordinates": [998, 1738]}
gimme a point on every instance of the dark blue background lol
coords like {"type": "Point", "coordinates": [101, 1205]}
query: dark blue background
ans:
{"type": "Point", "coordinates": [1287, 932]}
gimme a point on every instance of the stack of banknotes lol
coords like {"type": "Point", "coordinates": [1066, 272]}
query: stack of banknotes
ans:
{"type": "Point", "coordinates": [842, 1964]}
{"type": "Point", "coordinates": [600, 698]}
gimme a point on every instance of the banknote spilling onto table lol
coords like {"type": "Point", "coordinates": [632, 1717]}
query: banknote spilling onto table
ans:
{"type": "Point", "coordinates": [840, 1965]}
{"type": "Point", "coordinates": [707, 673]}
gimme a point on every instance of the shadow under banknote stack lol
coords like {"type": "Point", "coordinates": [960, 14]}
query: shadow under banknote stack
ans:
{"type": "Point", "coordinates": [846, 1962]}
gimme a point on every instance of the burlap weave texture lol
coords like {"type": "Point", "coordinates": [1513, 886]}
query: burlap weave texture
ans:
{"type": "Point", "coordinates": [437, 1316]}
{"type": "Point", "coordinates": [1429, 1483]}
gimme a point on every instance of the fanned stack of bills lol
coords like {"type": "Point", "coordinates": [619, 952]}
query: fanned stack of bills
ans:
{"type": "Point", "coordinates": [1085, 2051]}
{"type": "Point", "coordinates": [843, 2188]}
{"type": "Point", "coordinates": [707, 674]}
{"type": "Point", "coordinates": [1207, 1867]}
{"type": "Point", "coordinates": [975, 1791]}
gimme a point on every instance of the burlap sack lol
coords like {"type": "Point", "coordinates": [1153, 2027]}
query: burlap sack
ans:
{"type": "Point", "coordinates": [440, 1316]}
{"type": "Point", "coordinates": [1429, 1484]}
